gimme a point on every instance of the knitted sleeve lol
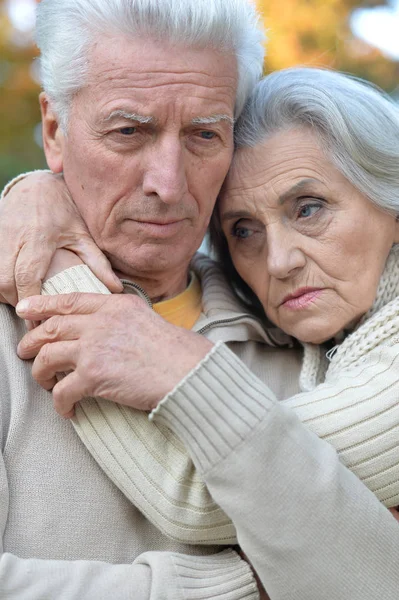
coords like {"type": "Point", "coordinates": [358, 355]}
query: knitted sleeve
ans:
{"type": "Point", "coordinates": [356, 409]}
{"type": "Point", "coordinates": [145, 460]}
{"type": "Point", "coordinates": [153, 576]}
{"type": "Point", "coordinates": [309, 526]}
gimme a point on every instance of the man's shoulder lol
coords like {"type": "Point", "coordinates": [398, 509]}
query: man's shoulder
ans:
{"type": "Point", "coordinates": [12, 328]}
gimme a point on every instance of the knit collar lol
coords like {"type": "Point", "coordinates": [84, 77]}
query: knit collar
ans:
{"type": "Point", "coordinates": [316, 362]}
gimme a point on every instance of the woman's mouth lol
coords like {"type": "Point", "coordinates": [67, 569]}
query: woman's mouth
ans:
{"type": "Point", "coordinates": [301, 298]}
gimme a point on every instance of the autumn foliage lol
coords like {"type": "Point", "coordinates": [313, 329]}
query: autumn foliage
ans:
{"type": "Point", "coordinates": [306, 32]}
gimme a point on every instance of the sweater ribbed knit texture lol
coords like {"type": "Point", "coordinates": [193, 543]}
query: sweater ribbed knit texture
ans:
{"type": "Point", "coordinates": [311, 529]}
{"type": "Point", "coordinates": [150, 464]}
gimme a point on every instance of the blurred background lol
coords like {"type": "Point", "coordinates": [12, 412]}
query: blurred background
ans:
{"type": "Point", "coordinates": [357, 37]}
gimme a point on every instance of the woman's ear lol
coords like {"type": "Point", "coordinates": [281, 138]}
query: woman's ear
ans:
{"type": "Point", "coordinates": [52, 135]}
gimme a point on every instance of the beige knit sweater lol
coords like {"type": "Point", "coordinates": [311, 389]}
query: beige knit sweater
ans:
{"type": "Point", "coordinates": [46, 471]}
{"type": "Point", "coordinates": [309, 526]}
{"type": "Point", "coordinates": [67, 531]}
{"type": "Point", "coordinates": [362, 421]}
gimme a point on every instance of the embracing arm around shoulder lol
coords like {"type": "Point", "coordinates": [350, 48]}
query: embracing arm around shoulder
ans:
{"type": "Point", "coordinates": [38, 216]}
{"type": "Point", "coordinates": [309, 526]}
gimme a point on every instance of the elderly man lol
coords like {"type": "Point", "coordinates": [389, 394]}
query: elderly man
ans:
{"type": "Point", "coordinates": [138, 112]}
{"type": "Point", "coordinates": [138, 117]}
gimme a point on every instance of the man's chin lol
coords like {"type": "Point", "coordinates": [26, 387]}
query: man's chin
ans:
{"type": "Point", "coordinates": [150, 258]}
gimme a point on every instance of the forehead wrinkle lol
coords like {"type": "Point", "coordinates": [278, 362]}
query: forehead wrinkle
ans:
{"type": "Point", "coordinates": [165, 77]}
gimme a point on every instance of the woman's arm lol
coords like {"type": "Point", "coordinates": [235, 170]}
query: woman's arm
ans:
{"type": "Point", "coordinates": [311, 529]}
{"type": "Point", "coordinates": [37, 216]}
{"type": "Point", "coordinates": [167, 491]}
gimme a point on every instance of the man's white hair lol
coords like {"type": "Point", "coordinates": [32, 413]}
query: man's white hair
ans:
{"type": "Point", "coordinates": [66, 29]}
{"type": "Point", "coordinates": [357, 125]}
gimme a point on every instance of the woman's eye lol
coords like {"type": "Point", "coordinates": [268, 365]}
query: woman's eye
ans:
{"type": "Point", "coordinates": [127, 130]}
{"type": "Point", "coordinates": [242, 232]}
{"type": "Point", "coordinates": [308, 210]}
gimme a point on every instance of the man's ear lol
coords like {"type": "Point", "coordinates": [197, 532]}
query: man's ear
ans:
{"type": "Point", "coordinates": [52, 136]}
{"type": "Point", "coordinates": [396, 240]}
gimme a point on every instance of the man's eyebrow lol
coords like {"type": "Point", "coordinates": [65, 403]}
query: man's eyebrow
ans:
{"type": "Point", "coordinates": [129, 116]}
{"type": "Point", "coordinates": [212, 120]}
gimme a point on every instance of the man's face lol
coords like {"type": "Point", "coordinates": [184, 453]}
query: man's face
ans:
{"type": "Point", "coordinates": [149, 143]}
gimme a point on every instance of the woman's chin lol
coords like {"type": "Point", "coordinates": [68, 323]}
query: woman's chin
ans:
{"type": "Point", "coordinates": [314, 335]}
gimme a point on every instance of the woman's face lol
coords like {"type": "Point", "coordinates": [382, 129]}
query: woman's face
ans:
{"type": "Point", "coordinates": [308, 243]}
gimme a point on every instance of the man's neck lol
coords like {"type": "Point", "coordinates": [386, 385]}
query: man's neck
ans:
{"type": "Point", "coordinates": [159, 287]}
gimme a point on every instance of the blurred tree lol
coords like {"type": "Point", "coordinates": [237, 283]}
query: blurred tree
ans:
{"type": "Point", "coordinates": [19, 105]}
{"type": "Point", "coordinates": [317, 33]}
{"type": "Point", "coordinates": [309, 32]}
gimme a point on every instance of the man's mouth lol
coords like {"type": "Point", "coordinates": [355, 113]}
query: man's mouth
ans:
{"type": "Point", "coordinates": [159, 228]}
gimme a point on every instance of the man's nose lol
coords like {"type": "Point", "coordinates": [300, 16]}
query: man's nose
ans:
{"type": "Point", "coordinates": [165, 174]}
{"type": "Point", "coordinates": [285, 255]}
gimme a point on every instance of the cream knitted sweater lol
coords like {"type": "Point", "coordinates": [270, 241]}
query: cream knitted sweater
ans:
{"type": "Point", "coordinates": [148, 462]}
{"type": "Point", "coordinates": [69, 533]}
{"type": "Point", "coordinates": [361, 422]}
{"type": "Point", "coordinates": [309, 527]}
{"type": "Point", "coordinates": [46, 471]}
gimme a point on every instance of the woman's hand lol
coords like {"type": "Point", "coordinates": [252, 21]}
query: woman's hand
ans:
{"type": "Point", "coordinates": [114, 347]}
{"type": "Point", "coordinates": [37, 216]}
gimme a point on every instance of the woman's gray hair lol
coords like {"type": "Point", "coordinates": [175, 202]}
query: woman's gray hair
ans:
{"type": "Point", "coordinates": [357, 124]}
{"type": "Point", "coordinates": [65, 30]}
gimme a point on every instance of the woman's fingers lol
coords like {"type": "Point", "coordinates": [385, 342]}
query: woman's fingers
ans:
{"type": "Point", "coordinates": [38, 308]}
{"type": "Point", "coordinates": [55, 329]}
{"type": "Point", "coordinates": [92, 256]}
{"type": "Point", "coordinates": [8, 289]}
{"type": "Point", "coordinates": [67, 392]}
{"type": "Point", "coordinates": [31, 266]}
{"type": "Point", "coordinates": [59, 357]}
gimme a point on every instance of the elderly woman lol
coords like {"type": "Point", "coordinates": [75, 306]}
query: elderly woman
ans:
{"type": "Point", "coordinates": [306, 226]}
{"type": "Point", "coordinates": [307, 230]}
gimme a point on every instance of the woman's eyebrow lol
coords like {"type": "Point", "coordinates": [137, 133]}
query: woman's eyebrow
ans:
{"type": "Point", "coordinates": [296, 189]}
{"type": "Point", "coordinates": [235, 214]}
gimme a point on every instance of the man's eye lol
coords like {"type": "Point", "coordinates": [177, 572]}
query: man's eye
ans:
{"type": "Point", "coordinates": [207, 135]}
{"type": "Point", "coordinates": [127, 130]}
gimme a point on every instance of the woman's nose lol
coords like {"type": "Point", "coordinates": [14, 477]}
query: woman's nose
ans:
{"type": "Point", "coordinates": [284, 253]}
